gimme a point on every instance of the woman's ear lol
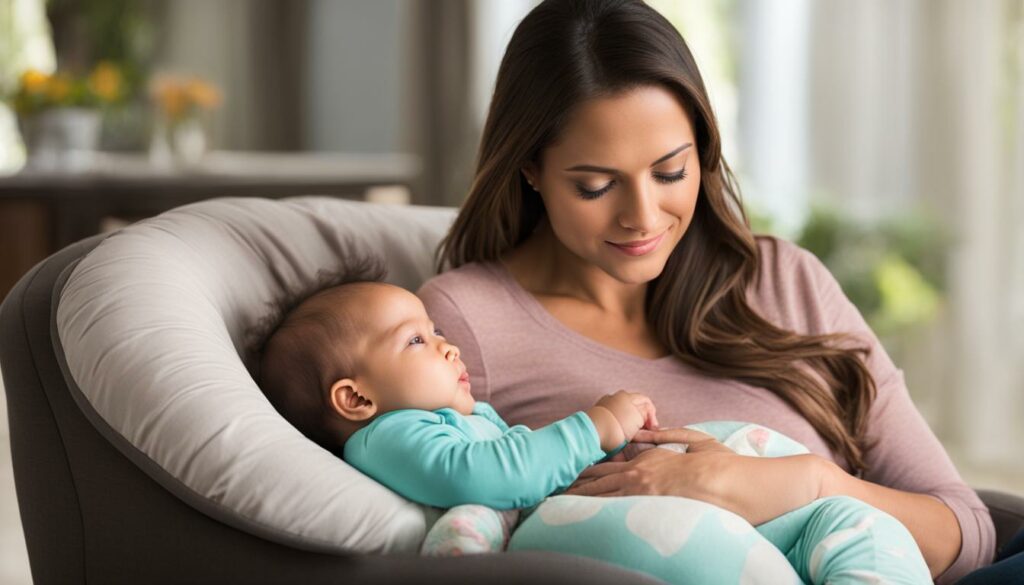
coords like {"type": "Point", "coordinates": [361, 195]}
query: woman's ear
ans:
{"type": "Point", "coordinates": [529, 171]}
{"type": "Point", "coordinates": [349, 402]}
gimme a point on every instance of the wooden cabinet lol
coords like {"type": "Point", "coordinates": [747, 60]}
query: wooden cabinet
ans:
{"type": "Point", "coordinates": [41, 212]}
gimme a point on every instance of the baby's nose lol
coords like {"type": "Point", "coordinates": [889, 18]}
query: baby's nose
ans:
{"type": "Point", "coordinates": [451, 353]}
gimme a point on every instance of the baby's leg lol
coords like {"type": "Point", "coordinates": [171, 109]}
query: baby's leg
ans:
{"type": "Point", "coordinates": [841, 540]}
{"type": "Point", "coordinates": [678, 540]}
{"type": "Point", "coordinates": [469, 529]}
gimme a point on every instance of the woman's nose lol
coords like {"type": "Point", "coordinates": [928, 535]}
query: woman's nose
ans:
{"type": "Point", "coordinates": [640, 213]}
{"type": "Point", "coordinates": [451, 353]}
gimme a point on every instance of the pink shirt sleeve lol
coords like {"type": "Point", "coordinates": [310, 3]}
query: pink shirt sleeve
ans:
{"type": "Point", "coordinates": [907, 455]}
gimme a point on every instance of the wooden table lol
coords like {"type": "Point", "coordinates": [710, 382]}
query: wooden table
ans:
{"type": "Point", "coordinates": [41, 212]}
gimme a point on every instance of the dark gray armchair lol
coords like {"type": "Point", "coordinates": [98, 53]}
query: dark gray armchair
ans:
{"type": "Point", "coordinates": [90, 513]}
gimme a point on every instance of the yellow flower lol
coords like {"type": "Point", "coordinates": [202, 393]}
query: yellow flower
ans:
{"type": "Point", "coordinates": [105, 81]}
{"type": "Point", "coordinates": [58, 88]}
{"type": "Point", "coordinates": [202, 94]}
{"type": "Point", "coordinates": [166, 96]}
{"type": "Point", "coordinates": [177, 98]}
{"type": "Point", "coordinates": [34, 81]}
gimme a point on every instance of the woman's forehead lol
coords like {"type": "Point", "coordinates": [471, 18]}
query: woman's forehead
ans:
{"type": "Point", "coordinates": [637, 126]}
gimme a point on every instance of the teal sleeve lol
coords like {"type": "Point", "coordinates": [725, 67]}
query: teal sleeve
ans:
{"type": "Point", "coordinates": [487, 411]}
{"type": "Point", "coordinates": [418, 455]}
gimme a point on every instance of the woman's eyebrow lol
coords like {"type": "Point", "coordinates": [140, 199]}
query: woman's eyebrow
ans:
{"type": "Point", "coordinates": [594, 169]}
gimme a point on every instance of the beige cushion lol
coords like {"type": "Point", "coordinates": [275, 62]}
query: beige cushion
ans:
{"type": "Point", "coordinates": [153, 323]}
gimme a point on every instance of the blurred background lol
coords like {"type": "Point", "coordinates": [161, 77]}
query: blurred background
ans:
{"type": "Point", "coordinates": [886, 136]}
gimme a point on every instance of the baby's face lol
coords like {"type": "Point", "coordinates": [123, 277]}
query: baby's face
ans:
{"type": "Point", "coordinates": [407, 363]}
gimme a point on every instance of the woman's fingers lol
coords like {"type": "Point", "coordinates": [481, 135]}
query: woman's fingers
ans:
{"type": "Point", "coordinates": [679, 435]}
{"type": "Point", "coordinates": [603, 486]}
{"type": "Point", "coordinates": [602, 469]}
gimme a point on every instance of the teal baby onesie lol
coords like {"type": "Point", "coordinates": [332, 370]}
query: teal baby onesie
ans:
{"type": "Point", "coordinates": [443, 458]}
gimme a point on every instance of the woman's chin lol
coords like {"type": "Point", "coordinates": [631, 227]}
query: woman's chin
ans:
{"type": "Point", "coordinates": [640, 271]}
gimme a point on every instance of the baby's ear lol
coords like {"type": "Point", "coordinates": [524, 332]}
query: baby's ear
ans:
{"type": "Point", "coordinates": [349, 403]}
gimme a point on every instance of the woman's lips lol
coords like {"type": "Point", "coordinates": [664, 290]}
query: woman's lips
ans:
{"type": "Point", "coordinates": [639, 247]}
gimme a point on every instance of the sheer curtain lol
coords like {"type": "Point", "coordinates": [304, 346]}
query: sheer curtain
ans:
{"type": "Point", "coordinates": [984, 65]}
{"type": "Point", "coordinates": [901, 104]}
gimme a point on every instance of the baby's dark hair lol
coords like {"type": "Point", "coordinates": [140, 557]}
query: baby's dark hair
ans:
{"type": "Point", "coordinates": [298, 349]}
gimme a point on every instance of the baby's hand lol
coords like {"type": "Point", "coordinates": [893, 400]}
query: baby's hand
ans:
{"type": "Point", "coordinates": [634, 411]}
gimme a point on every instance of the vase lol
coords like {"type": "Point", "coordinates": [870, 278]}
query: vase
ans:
{"type": "Point", "coordinates": [179, 143]}
{"type": "Point", "coordinates": [60, 138]}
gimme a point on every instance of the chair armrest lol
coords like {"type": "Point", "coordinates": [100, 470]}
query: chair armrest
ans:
{"type": "Point", "coordinates": [1007, 514]}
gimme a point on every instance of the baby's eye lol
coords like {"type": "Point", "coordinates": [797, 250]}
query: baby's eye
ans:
{"type": "Point", "coordinates": [438, 332]}
{"type": "Point", "coordinates": [416, 339]}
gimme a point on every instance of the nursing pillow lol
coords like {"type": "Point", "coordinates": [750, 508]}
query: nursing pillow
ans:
{"type": "Point", "coordinates": [154, 325]}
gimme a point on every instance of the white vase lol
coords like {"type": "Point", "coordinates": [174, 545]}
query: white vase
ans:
{"type": "Point", "coordinates": [61, 138]}
{"type": "Point", "coordinates": [181, 144]}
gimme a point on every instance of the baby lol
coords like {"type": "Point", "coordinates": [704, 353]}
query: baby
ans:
{"type": "Point", "coordinates": [361, 369]}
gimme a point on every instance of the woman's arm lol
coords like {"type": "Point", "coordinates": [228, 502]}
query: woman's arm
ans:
{"type": "Point", "coordinates": [921, 485]}
{"type": "Point", "coordinates": [760, 489]}
{"type": "Point", "coordinates": [932, 523]}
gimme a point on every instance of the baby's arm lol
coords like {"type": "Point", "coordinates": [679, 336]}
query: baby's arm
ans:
{"type": "Point", "coordinates": [419, 456]}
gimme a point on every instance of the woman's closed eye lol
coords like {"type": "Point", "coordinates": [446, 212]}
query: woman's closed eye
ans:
{"type": "Point", "coordinates": [670, 177]}
{"type": "Point", "coordinates": [664, 178]}
{"type": "Point", "coordinates": [593, 194]}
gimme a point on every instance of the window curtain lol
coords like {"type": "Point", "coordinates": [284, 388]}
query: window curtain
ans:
{"type": "Point", "coordinates": [901, 105]}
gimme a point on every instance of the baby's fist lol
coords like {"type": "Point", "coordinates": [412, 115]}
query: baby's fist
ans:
{"type": "Point", "coordinates": [633, 410]}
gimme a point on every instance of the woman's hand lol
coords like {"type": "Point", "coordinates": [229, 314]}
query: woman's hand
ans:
{"type": "Point", "coordinates": [756, 488]}
{"type": "Point", "coordinates": [659, 471]}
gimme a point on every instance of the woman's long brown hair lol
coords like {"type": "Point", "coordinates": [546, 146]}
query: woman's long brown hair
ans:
{"type": "Point", "coordinates": [568, 51]}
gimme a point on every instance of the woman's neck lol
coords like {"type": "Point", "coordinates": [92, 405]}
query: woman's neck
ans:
{"type": "Point", "coordinates": [545, 267]}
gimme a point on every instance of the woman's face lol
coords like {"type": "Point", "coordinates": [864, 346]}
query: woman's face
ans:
{"type": "Point", "coordinates": [620, 184]}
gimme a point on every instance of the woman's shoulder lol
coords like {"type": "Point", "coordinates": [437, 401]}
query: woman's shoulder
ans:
{"type": "Point", "coordinates": [780, 255]}
{"type": "Point", "coordinates": [794, 289]}
{"type": "Point", "coordinates": [470, 291]}
{"type": "Point", "coordinates": [475, 280]}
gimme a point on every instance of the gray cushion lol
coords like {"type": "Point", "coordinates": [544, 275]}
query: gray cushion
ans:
{"type": "Point", "coordinates": [154, 321]}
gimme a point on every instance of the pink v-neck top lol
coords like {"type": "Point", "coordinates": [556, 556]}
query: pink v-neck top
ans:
{"type": "Point", "coordinates": [535, 370]}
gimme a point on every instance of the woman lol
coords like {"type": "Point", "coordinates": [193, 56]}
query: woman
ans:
{"type": "Point", "coordinates": [603, 245]}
